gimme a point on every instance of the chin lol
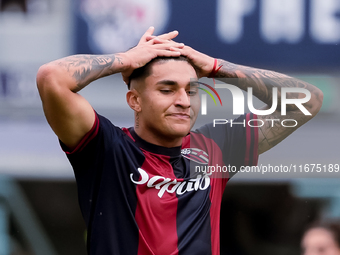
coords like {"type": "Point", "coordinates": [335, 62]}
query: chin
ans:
{"type": "Point", "coordinates": [180, 130]}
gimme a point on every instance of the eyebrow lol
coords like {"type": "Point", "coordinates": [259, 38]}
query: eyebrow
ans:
{"type": "Point", "coordinates": [173, 83]}
{"type": "Point", "coordinates": [194, 84]}
{"type": "Point", "coordinates": [166, 82]}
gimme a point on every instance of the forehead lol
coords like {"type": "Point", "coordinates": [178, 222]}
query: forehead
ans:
{"type": "Point", "coordinates": [318, 236]}
{"type": "Point", "coordinates": [177, 71]}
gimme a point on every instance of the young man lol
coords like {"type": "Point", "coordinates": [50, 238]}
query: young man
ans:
{"type": "Point", "coordinates": [135, 189]}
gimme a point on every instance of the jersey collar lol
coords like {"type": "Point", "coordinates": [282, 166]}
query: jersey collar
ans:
{"type": "Point", "coordinates": [153, 148]}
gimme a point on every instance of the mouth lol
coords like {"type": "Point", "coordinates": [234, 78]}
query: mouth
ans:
{"type": "Point", "coordinates": [183, 116]}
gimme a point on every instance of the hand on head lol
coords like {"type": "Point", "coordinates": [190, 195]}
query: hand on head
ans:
{"type": "Point", "coordinates": [203, 63]}
{"type": "Point", "coordinates": [151, 46]}
{"type": "Point", "coordinates": [148, 48]}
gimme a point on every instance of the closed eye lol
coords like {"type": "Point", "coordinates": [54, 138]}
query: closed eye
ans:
{"type": "Point", "coordinates": [165, 91]}
{"type": "Point", "coordinates": [192, 93]}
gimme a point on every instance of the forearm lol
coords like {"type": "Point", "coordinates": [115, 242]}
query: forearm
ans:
{"type": "Point", "coordinates": [263, 81]}
{"type": "Point", "coordinates": [77, 71]}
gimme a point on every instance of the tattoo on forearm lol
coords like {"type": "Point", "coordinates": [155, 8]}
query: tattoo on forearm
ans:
{"type": "Point", "coordinates": [273, 132]}
{"type": "Point", "coordinates": [119, 59]}
{"type": "Point", "coordinates": [263, 82]}
{"type": "Point", "coordinates": [85, 68]}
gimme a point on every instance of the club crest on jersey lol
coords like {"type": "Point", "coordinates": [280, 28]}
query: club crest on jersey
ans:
{"type": "Point", "coordinates": [196, 155]}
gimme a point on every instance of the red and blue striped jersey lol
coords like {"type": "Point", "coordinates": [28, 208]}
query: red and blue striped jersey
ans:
{"type": "Point", "coordinates": [138, 198]}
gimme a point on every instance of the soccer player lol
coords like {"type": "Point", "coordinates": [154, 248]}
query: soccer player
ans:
{"type": "Point", "coordinates": [136, 191]}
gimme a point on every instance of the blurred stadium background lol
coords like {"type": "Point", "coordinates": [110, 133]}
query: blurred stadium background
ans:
{"type": "Point", "coordinates": [261, 214]}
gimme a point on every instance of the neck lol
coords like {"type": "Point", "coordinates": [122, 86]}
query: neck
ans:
{"type": "Point", "coordinates": [154, 138]}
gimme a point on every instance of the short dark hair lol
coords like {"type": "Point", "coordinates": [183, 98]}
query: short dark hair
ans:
{"type": "Point", "coordinates": [145, 70]}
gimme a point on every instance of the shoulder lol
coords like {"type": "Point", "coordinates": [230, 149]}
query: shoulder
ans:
{"type": "Point", "coordinates": [102, 134]}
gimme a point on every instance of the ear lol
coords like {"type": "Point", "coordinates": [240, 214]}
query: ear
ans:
{"type": "Point", "coordinates": [133, 99]}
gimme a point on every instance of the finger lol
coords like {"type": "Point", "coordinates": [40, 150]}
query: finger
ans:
{"type": "Point", "coordinates": [150, 37]}
{"type": "Point", "coordinates": [168, 47]}
{"type": "Point", "coordinates": [157, 40]}
{"type": "Point", "coordinates": [186, 51]}
{"type": "Point", "coordinates": [180, 50]}
{"type": "Point", "coordinates": [148, 32]}
{"type": "Point", "coordinates": [168, 53]}
{"type": "Point", "coordinates": [169, 36]}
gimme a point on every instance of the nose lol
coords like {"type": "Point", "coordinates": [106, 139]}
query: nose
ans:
{"type": "Point", "coordinates": [182, 99]}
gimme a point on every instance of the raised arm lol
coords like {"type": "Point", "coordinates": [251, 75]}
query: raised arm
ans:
{"type": "Point", "coordinates": [67, 112]}
{"type": "Point", "coordinates": [262, 83]}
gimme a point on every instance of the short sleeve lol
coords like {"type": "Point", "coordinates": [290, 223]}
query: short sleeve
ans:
{"type": "Point", "coordinates": [93, 145]}
{"type": "Point", "coordinates": [88, 160]}
{"type": "Point", "coordinates": [85, 140]}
